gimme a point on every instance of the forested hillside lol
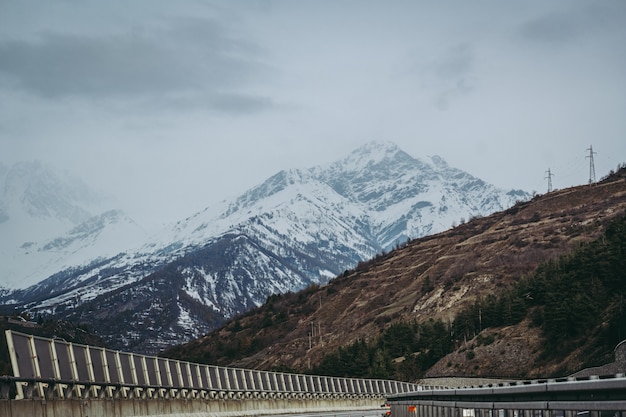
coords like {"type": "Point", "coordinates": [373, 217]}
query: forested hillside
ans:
{"type": "Point", "coordinates": [577, 302]}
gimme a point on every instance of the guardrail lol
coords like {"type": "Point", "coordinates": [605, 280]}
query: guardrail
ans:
{"type": "Point", "coordinates": [595, 396]}
{"type": "Point", "coordinates": [53, 368]}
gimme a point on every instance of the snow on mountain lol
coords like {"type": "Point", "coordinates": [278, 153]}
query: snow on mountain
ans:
{"type": "Point", "coordinates": [299, 227]}
{"type": "Point", "coordinates": [406, 197]}
{"type": "Point", "coordinates": [47, 224]}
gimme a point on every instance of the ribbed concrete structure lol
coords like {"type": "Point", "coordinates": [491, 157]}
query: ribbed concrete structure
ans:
{"type": "Point", "coordinates": [55, 378]}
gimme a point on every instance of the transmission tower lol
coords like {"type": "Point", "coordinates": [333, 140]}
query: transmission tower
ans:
{"type": "Point", "coordinates": [549, 178]}
{"type": "Point", "coordinates": [592, 168]}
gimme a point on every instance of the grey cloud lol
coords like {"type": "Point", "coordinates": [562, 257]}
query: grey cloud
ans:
{"type": "Point", "coordinates": [456, 62]}
{"type": "Point", "coordinates": [209, 36]}
{"type": "Point", "coordinates": [193, 57]}
{"type": "Point", "coordinates": [240, 104]}
{"type": "Point", "coordinates": [569, 26]}
{"type": "Point", "coordinates": [550, 28]}
{"type": "Point", "coordinates": [65, 65]}
{"type": "Point", "coordinates": [463, 86]}
{"type": "Point", "coordinates": [451, 74]}
{"type": "Point", "coordinates": [222, 102]}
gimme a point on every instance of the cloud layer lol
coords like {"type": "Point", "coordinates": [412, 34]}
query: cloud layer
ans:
{"type": "Point", "coordinates": [171, 106]}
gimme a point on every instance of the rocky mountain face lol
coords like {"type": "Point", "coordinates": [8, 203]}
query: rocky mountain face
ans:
{"type": "Point", "coordinates": [432, 279]}
{"type": "Point", "coordinates": [299, 227]}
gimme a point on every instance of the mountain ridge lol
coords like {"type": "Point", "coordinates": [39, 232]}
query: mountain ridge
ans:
{"type": "Point", "coordinates": [294, 226]}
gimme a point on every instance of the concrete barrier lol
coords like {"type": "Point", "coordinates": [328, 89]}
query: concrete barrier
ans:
{"type": "Point", "coordinates": [175, 407]}
{"type": "Point", "coordinates": [55, 378]}
{"type": "Point", "coordinates": [593, 396]}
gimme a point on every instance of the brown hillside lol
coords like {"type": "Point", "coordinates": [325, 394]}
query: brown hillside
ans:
{"type": "Point", "coordinates": [431, 277]}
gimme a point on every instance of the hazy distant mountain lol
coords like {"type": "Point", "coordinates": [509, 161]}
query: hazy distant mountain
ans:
{"type": "Point", "coordinates": [50, 220]}
{"type": "Point", "coordinates": [296, 228]}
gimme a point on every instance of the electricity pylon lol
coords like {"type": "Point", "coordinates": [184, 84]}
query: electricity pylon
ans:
{"type": "Point", "coordinates": [549, 177]}
{"type": "Point", "coordinates": [592, 168]}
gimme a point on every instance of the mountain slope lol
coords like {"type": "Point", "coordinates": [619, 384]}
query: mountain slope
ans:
{"type": "Point", "coordinates": [431, 278]}
{"type": "Point", "coordinates": [297, 228]}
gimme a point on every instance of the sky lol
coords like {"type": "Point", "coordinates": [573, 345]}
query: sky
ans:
{"type": "Point", "coordinates": [169, 107]}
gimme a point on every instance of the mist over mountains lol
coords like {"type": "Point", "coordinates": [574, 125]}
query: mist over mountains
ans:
{"type": "Point", "coordinates": [299, 227]}
{"type": "Point", "coordinates": [50, 220]}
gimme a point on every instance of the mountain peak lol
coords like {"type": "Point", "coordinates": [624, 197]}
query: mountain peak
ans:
{"type": "Point", "coordinates": [371, 155]}
{"type": "Point", "coordinates": [42, 191]}
{"type": "Point", "coordinates": [375, 151]}
{"type": "Point", "coordinates": [378, 147]}
{"type": "Point", "coordinates": [439, 162]}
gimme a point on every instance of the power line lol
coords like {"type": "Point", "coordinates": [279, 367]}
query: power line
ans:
{"type": "Point", "coordinates": [592, 168]}
{"type": "Point", "coordinates": [549, 177]}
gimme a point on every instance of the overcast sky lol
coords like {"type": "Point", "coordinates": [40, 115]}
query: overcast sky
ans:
{"type": "Point", "coordinates": [172, 106]}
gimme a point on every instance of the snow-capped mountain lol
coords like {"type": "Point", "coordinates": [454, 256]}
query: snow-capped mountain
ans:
{"type": "Point", "coordinates": [50, 221]}
{"type": "Point", "coordinates": [297, 228]}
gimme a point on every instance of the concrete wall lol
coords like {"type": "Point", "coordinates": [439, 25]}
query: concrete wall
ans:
{"type": "Point", "coordinates": [176, 407]}
{"type": "Point", "coordinates": [54, 378]}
